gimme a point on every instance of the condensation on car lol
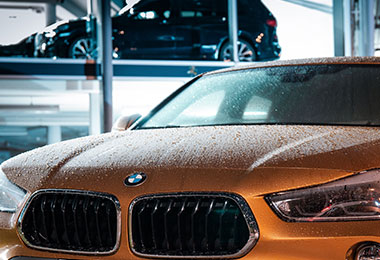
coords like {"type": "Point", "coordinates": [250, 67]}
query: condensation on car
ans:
{"type": "Point", "coordinates": [220, 147]}
{"type": "Point", "coordinates": [224, 147]}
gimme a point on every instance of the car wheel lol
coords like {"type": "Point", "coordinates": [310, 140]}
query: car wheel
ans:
{"type": "Point", "coordinates": [246, 52]}
{"type": "Point", "coordinates": [83, 48]}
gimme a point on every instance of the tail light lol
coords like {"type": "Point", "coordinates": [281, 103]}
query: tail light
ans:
{"type": "Point", "coordinates": [272, 22]}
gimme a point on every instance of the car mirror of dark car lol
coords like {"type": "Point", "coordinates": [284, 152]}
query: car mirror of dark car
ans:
{"type": "Point", "coordinates": [125, 122]}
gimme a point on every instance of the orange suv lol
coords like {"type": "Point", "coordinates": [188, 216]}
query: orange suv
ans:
{"type": "Point", "coordinates": [271, 161]}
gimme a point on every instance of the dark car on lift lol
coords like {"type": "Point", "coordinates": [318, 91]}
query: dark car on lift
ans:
{"type": "Point", "coordinates": [170, 29]}
{"type": "Point", "coordinates": [24, 48]}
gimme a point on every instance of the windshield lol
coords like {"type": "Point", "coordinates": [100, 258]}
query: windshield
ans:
{"type": "Point", "coordinates": [318, 94]}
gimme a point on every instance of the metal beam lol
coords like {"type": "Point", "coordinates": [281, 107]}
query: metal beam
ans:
{"type": "Point", "coordinates": [74, 8]}
{"type": "Point", "coordinates": [366, 28]}
{"type": "Point", "coordinates": [106, 60]}
{"type": "Point", "coordinates": [119, 3]}
{"type": "Point", "coordinates": [89, 7]}
{"type": "Point", "coordinates": [348, 20]}
{"type": "Point", "coordinates": [37, 9]}
{"type": "Point", "coordinates": [312, 5]}
{"type": "Point", "coordinates": [51, 13]}
{"type": "Point", "coordinates": [233, 28]}
{"type": "Point", "coordinates": [115, 7]}
{"type": "Point", "coordinates": [17, 118]}
{"type": "Point", "coordinates": [95, 120]}
{"type": "Point", "coordinates": [338, 27]}
{"type": "Point", "coordinates": [54, 134]}
{"type": "Point", "coordinates": [67, 69]}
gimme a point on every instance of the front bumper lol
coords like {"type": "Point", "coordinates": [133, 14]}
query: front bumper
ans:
{"type": "Point", "coordinates": [278, 239]}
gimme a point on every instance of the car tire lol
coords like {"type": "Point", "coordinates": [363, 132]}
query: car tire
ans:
{"type": "Point", "coordinates": [246, 51]}
{"type": "Point", "coordinates": [82, 48]}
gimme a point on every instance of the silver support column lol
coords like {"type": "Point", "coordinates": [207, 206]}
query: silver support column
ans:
{"type": "Point", "coordinates": [51, 13]}
{"type": "Point", "coordinates": [89, 7]}
{"type": "Point", "coordinates": [233, 28]}
{"type": "Point", "coordinates": [95, 116]}
{"type": "Point", "coordinates": [107, 68]}
{"type": "Point", "coordinates": [104, 37]}
{"type": "Point", "coordinates": [366, 28]}
{"type": "Point", "coordinates": [338, 28]}
{"type": "Point", "coordinates": [54, 134]}
{"type": "Point", "coordinates": [348, 20]}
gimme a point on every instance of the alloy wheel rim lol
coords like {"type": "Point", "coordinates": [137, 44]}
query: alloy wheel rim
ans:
{"type": "Point", "coordinates": [245, 52]}
{"type": "Point", "coordinates": [83, 49]}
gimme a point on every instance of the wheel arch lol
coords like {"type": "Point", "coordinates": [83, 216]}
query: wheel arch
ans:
{"type": "Point", "coordinates": [243, 35]}
{"type": "Point", "coordinates": [70, 42]}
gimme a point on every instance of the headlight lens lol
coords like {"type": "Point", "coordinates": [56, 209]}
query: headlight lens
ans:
{"type": "Point", "coordinates": [50, 34]}
{"type": "Point", "coordinates": [353, 198]}
{"type": "Point", "coordinates": [11, 196]}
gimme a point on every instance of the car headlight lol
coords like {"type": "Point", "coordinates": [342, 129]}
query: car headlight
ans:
{"type": "Point", "coordinates": [352, 198]}
{"type": "Point", "coordinates": [50, 34]}
{"type": "Point", "coordinates": [11, 196]}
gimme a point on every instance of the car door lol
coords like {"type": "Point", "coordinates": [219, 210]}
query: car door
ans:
{"type": "Point", "coordinates": [146, 31]}
{"type": "Point", "coordinates": [198, 28]}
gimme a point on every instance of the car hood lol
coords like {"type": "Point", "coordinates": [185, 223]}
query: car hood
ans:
{"type": "Point", "coordinates": [321, 152]}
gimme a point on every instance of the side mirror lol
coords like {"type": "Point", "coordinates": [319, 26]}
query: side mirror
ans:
{"type": "Point", "coordinates": [124, 122]}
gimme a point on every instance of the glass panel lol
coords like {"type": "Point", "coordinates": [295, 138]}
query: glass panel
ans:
{"type": "Point", "coordinates": [325, 94]}
{"type": "Point", "coordinates": [204, 109]}
{"type": "Point", "coordinates": [257, 108]}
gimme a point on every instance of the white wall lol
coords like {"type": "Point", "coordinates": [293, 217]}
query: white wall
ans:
{"type": "Point", "coordinates": [303, 32]}
{"type": "Point", "coordinates": [16, 24]}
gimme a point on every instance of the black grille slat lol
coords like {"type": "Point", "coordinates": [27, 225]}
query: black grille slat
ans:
{"type": "Point", "coordinates": [99, 235]}
{"type": "Point", "coordinates": [35, 233]}
{"type": "Point", "coordinates": [85, 209]}
{"type": "Point", "coordinates": [75, 222]}
{"type": "Point", "coordinates": [205, 242]}
{"type": "Point", "coordinates": [54, 233]}
{"type": "Point", "coordinates": [166, 244]}
{"type": "Point", "coordinates": [153, 225]}
{"type": "Point", "coordinates": [71, 221]}
{"type": "Point", "coordinates": [44, 233]}
{"type": "Point", "coordinates": [65, 235]}
{"type": "Point", "coordinates": [180, 237]}
{"type": "Point", "coordinates": [192, 242]}
{"type": "Point", "coordinates": [191, 225]}
{"type": "Point", "coordinates": [110, 237]}
{"type": "Point", "coordinates": [141, 211]}
{"type": "Point", "coordinates": [233, 240]}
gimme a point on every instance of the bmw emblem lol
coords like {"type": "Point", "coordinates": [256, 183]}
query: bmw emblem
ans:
{"type": "Point", "coordinates": [135, 179]}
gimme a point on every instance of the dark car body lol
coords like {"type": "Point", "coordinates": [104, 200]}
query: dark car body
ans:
{"type": "Point", "coordinates": [169, 29]}
{"type": "Point", "coordinates": [24, 48]}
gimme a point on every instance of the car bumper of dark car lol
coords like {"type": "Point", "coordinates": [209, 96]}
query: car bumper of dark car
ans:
{"type": "Point", "coordinates": [269, 53]}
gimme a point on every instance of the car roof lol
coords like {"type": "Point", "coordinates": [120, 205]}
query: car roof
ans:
{"type": "Point", "coordinates": [301, 62]}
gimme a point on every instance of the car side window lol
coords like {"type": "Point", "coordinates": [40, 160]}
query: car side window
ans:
{"type": "Point", "coordinates": [153, 10]}
{"type": "Point", "coordinates": [201, 8]}
{"type": "Point", "coordinates": [187, 14]}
